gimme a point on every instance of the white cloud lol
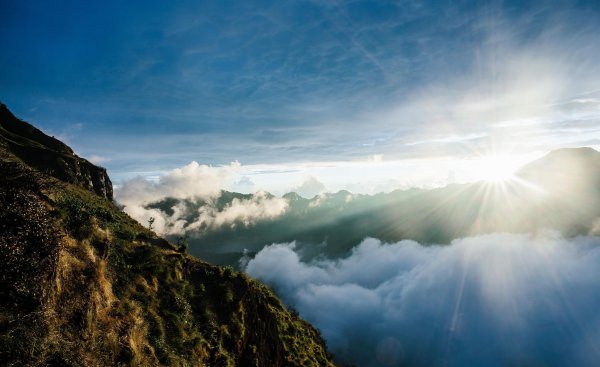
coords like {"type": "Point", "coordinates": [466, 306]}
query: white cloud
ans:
{"type": "Point", "coordinates": [310, 188]}
{"type": "Point", "coordinates": [246, 212]}
{"type": "Point", "coordinates": [195, 182]}
{"type": "Point", "coordinates": [375, 158]}
{"type": "Point", "coordinates": [192, 181]}
{"type": "Point", "coordinates": [97, 159]}
{"type": "Point", "coordinates": [244, 185]}
{"type": "Point", "coordinates": [496, 299]}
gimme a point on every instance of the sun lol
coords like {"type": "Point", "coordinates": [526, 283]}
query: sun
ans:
{"type": "Point", "coordinates": [497, 168]}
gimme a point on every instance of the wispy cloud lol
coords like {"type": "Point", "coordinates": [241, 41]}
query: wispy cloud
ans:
{"type": "Point", "coordinates": [298, 81]}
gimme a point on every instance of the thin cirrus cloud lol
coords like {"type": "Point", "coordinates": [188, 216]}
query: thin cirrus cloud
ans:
{"type": "Point", "coordinates": [499, 299]}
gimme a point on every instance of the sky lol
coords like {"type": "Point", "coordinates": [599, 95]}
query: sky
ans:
{"type": "Point", "coordinates": [360, 95]}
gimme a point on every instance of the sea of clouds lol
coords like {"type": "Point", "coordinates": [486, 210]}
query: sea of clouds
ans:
{"type": "Point", "coordinates": [493, 300]}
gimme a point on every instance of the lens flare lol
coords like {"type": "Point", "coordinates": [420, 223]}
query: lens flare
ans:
{"type": "Point", "coordinates": [498, 168]}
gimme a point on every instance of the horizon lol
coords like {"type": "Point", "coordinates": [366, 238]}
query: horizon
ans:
{"type": "Point", "coordinates": [301, 179]}
{"type": "Point", "coordinates": [293, 89]}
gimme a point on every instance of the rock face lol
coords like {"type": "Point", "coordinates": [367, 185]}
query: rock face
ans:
{"type": "Point", "coordinates": [83, 284]}
{"type": "Point", "coordinates": [50, 155]}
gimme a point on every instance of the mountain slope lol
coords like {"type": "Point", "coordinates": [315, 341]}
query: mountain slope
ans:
{"type": "Point", "coordinates": [83, 284]}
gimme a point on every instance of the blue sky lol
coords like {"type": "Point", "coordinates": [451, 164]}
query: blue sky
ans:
{"type": "Point", "coordinates": [146, 86]}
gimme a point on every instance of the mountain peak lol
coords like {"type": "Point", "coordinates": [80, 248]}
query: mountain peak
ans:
{"type": "Point", "coordinates": [292, 196]}
{"type": "Point", "coordinates": [566, 167]}
{"type": "Point", "coordinates": [48, 154]}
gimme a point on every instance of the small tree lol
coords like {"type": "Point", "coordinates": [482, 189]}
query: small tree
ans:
{"type": "Point", "coordinates": [182, 243]}
{"type": "Point", "coordinates": [150, 222]}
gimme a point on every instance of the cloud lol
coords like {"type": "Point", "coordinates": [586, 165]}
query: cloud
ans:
{"type": "Point", "coordinates": [246, 212]}
{"type": "Point", "coordinates": [308, 80]}
{"type": "Point", "coordinates": [98, 159]}
{"type": "Point", "coordinates": [379, 186]}
{"type": "Point", "coordinates": [195, 183]}
{"type": "Point", "coordinates": [209, 216]}
{"type": "Point", "coordinates": [192, 181]}
{"type": "Point", "coordinates": [375, 158]}
{"type": "Point", "coordinates": [244, 185]}
{"type": "Point", "coordinates": [310, 188]}
{"type": "Point", "coordinates": [499, 299]}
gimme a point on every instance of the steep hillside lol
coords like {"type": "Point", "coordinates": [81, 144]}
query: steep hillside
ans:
{"type": "Point", "coordinates": [82, 284]}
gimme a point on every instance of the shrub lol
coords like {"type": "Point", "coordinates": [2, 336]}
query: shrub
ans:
{"type": "Point", "coordinates": [76, 215]}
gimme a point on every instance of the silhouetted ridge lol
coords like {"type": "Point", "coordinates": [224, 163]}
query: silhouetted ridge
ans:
{"type": "Point", "coordinates": [568, 164]}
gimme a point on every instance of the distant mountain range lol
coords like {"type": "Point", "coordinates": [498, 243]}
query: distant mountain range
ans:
{"type": "Point", "coordinates": [560, 191]}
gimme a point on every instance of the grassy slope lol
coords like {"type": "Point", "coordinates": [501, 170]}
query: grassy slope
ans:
{"type": "Point", "coordinates": [83, 284]}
